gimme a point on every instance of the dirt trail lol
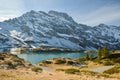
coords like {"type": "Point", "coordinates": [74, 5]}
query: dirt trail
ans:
{"type": "Point", "coordinates": [101, 69]}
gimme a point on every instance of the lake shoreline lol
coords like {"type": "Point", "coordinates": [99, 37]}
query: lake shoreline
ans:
{"type": "Point", "coordinates": [58, 68]}
{"type": "Point", "coordinates": [39, 49]}
{"type": "Point", "coordinates": [35, 57]}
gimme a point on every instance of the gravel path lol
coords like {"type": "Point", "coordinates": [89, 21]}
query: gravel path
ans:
{"type": "Point", "coordinates": [46, 68]}
{"type": "Point", "coordinates": [101, 69]}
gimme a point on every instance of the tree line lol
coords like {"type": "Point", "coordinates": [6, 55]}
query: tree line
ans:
{"type": "Point", "coordinates": [103, 52]}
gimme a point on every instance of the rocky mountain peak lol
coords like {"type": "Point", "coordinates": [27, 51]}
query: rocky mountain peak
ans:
{"type": "Point", "coordinates": [56, 29]}
{"type": "Point", "coordinates": [60, 14]}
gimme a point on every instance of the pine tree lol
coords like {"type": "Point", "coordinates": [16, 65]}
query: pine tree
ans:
{"type": "Point", "coordinates": [99, 54]}
{"type": "Point", "coordinates": [105, 52]}
{"type": "Point", "coordinates": [87, 56]}
{"type": "Point", "coordinates": [91, 56]}
{"type": "Point", "coordinates": [102, 52]}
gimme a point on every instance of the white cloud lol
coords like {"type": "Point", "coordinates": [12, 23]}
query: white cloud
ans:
{"type": "Point", "coordinates": [14, 8]}
{"type": "Point", "coordinates": [105, 14]}
{"type": "Point", "coordinates": [10, 9]}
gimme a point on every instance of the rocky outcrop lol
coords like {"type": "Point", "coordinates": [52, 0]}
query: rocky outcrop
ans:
{"type": "Point", "coordinates": [10, 61]}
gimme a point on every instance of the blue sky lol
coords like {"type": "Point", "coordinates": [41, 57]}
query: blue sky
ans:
{"type": "Point", "coordinates": [90, 12]}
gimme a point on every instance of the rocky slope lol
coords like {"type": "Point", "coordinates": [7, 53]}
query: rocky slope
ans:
{"type": "Point", "coordinates": [56, 29]}
{"type": "Point", "coordinates": [10, 61]}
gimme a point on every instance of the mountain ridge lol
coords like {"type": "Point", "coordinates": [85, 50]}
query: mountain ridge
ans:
{"type": "Point", "coordinates": [57, 29]}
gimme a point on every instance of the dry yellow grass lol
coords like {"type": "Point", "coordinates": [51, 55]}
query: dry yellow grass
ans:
{"type": "Point", "coordinates": [45, 75]}
{"type": "Point", "coordinates": [25, 73]}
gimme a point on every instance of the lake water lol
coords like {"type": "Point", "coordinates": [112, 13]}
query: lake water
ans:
{"type": "Point", "coordinates": [39, 56]}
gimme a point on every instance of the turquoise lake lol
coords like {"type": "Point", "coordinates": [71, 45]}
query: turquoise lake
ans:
{"type": "Point", "coordinates": [39, 56]}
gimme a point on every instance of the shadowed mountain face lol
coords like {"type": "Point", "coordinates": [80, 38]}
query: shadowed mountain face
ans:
{"type": "Point", "coordinates": [56, 29]}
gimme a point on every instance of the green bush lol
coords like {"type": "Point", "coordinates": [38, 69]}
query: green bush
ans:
{"type": "Point", "coordinates": [116, 60]}
{"type": "Point", "coordinates": [81, 59]}
{"type": "Point", "coordinates": [12, 55]}
{"type": "Point", "coordinates": [8, 63]}
{"type": "Point", "coordinates": [71, 71]}
{"type": "Point", "coordinates": [36, 69]}
{"type": "Point", "coordinates": [87, 56]}
{"type": "Point", "coordinates": [16, 60]}
{"type": "Point", "coordinates": [46, 62]}
{"type": "Point", "coordinates": [60, 61]}
{"type": "Point", "coordinates": [107, 63]}
{"type": "Point", "coordinates": [97, 60]}
{"type": "Point", "coordinates": [1, 58]}
{"type": "Point", "coordinates": [70, 62]}
{"type": "Point", "coordinates": [60, 69]}
{"type": "Point", "coordinates": [91, 57]}
{"type": "Point", "coordinates": [113, 70]}
{"type": "Point", "coordinates": [88, 72]}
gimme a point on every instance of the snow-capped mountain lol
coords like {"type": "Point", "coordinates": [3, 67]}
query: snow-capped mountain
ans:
{"type": "Point", "coordinates": [56, 29]}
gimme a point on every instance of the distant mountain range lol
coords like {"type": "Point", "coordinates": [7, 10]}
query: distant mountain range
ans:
{"type": "Point", "coordinates": [56, 29]}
